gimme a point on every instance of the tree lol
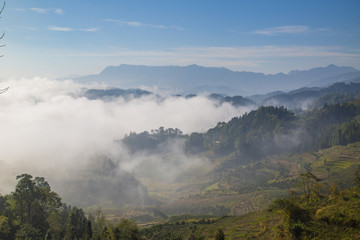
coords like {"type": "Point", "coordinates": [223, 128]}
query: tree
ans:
{"type": "Point", "coordinates": [28, 232]}
{"type": "Point", "coordinates": [105, 234]}
{"type": "Point", "coordinates": [34, 212]}
{"type": "Point", "coordinates": [195, 143]}
{"type": "Point", "coordinates": [88, 230]}
{"type": "Point", "coordinates": [3, 205]}
{"type": "Point", "coordinates": [125, 230]}
{"type": "Point", "coordinates": [220, 235]}
{"type": "Point", "coordinates": [294, 216]}
{"type": "Point", "coordinates": [4, 227]}
{"type": "Point", "coordinates": [34, 201]}
{"type": "Point", "coordinates": [357, 178]}
{"type": "Point", "coordinates": [76, 226]}
{"type": "Point", "coordinates": [309, 183]}
{"type": "Point", "coordinates": [98, 224]}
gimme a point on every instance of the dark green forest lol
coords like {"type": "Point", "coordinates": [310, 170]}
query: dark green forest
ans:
{"type": "Point", "coordinates": [266, 131]}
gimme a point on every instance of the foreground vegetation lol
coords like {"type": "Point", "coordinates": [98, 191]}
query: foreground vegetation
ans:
{"type": "Point", "coordinates": [34, 212]}
{"type": "Point", "coordinates": [313, 215]}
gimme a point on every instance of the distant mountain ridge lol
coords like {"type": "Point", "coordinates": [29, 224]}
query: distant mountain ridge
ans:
{"type": "Point", "coordinates": [129, 94]}
{"type": "Point", "coordinates": [195, 79]}
{"type": "Point", "coordinates": [315, 97]}
{"type": "Point", "coordinates": [302, 98]}
{"type": "Point", "coordinates": [108, 94]}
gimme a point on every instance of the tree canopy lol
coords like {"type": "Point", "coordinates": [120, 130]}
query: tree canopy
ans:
{"type": "Point", "coordinates": [35, 212]}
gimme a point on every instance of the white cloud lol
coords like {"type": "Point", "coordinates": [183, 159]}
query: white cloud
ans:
{"type": "Point", "coordinates": [68, 29]}
{"type": "Point", "coordinates": [45, 128]}
{"type": "Point", "coordinates": [141, 24]}
{"type": "Point", "coordinates": [295, 29]}
{"type": "Point", "coordinates": [60, 29]}
{"type": "Point", "coordinates": [94, 29]}
{"type": "Point", "coordinates": [40, 10]}
{"type": "Point", "coordinates": [59, 11]}
{"type": "Point", "coordinates": [111, 20]}
{"type": "Point", "coordinates": [177, 28]}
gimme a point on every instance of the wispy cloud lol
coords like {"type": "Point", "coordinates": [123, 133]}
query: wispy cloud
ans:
{"type": "Point", "coordinates": [69, 29]}
{"type": "Point", "coordinates": [60, 29]}
{"type": "Point", "coordinates": [295, 29]}
{"type": "Point", "coordinates": [58, 11]}
{"type": "Point", "coordinates": [111, 20]}
{"type": "Point", "coordinates": [94, 29]}
{"type": "Point", "coordinates": [135, 24]}
{"type": "Point", "coordinates": [141, 24]}
{"type": "Point", "coordinates": [177, 28]}
{"type": "Point", "coordinates": [40, 10]}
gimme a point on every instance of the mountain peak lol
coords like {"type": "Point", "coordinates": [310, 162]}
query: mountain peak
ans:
{"type": "Point", "coordinates": [194, 66]}
{"type": "Point", "coordinates": [185, 79]}
{"type": "Point", "coordinates": [332, 66]}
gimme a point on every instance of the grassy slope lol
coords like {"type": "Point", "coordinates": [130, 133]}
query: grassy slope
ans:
{"type": "Point", "coordinates": [250, 187]}
{"type": "Point", "coordinates": [331, 217]}
{"type": "Point", "coordinates": [254, 224]}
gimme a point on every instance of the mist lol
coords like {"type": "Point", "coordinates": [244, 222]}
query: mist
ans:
{"type": "Point", "coordinates": [48, 128]}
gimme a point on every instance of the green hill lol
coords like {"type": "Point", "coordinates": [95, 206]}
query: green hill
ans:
{"type": "Point", "coordinates": [252, 160]}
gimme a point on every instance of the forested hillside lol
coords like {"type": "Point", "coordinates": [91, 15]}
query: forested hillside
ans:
{"type": "Point", "coordinates": [308, 98]}
{"type": "Point", "coordinates": [264, 132]}
{"type": "Point", "coordinates": [273, 130]}
{"type": "Point", "coordinates": [252, 159]}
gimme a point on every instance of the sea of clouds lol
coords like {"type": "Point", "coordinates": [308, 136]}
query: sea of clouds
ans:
{"type": "Point", "coordinates": [48, 128]}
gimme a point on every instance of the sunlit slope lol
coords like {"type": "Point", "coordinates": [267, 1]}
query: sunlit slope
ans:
{"type": "Point", "coordinates": [332, 216]}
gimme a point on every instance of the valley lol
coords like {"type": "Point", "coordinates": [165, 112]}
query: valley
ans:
{"type": "Point", "coordinates": [179, 120]}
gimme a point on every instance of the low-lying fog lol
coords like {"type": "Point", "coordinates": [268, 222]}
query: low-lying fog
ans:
{"type": "Point", "coordinates": [49, 129]}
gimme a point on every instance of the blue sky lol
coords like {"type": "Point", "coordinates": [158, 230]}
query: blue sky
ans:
{"type": "Point", "coordinates": [52, 38]}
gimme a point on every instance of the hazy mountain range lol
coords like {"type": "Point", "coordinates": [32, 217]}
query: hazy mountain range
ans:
{"type": "Point", "coordinates": [302, 98]}
{"type": "Point", "coordinates": [196, 79]}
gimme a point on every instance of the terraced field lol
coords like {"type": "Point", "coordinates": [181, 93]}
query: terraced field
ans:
{"type": "Point", "coordinates": [240, 189]}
